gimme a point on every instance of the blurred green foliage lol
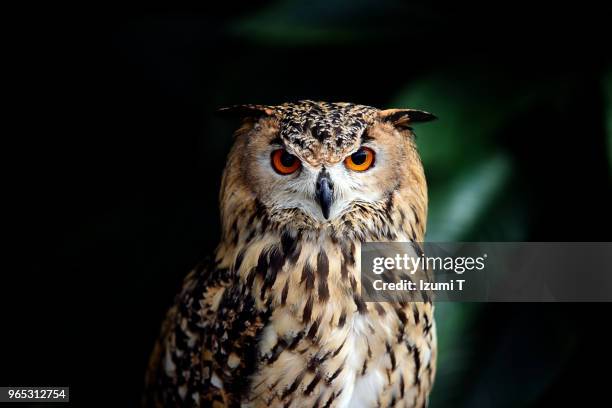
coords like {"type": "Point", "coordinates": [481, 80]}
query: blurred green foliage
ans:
{"type": "Point", "coordinates": [298, 23]}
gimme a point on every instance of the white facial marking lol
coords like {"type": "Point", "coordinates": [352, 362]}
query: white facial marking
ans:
{"type": "Point", "coordinates": [299, 190]}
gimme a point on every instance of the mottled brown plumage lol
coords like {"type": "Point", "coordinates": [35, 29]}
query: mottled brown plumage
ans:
{"type": "Point", "coordinates": [276, 317]}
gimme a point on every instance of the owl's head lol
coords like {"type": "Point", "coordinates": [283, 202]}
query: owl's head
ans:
{"type": "Point", "coordinates": [324, 165]}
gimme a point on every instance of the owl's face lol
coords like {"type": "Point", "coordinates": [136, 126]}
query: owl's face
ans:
{"type": "Point", "coordinates": [324, 160]}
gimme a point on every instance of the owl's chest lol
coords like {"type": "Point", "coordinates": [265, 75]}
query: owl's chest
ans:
{"type": "Point", "coordinates": [365, 364]}
{"type": "Point", "coordinates": [361, 364]}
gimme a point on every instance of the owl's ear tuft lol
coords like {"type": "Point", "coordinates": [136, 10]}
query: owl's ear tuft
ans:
{"type": "Point", "coordinates": [246, 111]}
{"type": "Point", "coordinates": [405, 117]}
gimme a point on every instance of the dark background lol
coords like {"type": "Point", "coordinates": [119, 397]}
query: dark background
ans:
{"type": "Point", "coordinates": [114, 164]}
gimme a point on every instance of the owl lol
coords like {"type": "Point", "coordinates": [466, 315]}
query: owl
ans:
{"type": "Point", "coordinates": [275, 318]}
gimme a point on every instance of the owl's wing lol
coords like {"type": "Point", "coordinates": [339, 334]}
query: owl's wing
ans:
{"type": "Point", "coordinates": [207, 348]}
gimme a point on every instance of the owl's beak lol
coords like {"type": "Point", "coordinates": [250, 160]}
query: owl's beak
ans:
{"type": "Point", "coordinates": [324, 191]}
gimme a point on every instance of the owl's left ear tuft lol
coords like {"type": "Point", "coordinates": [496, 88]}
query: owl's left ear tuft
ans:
{"type": "Point", "coordinates": [247, 111]}
{"type": "Point", "coordinates": [405, 117]}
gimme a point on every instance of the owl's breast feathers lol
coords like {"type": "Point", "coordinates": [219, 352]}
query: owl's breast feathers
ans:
{"type": "Point", "coordinates": [280, 322]}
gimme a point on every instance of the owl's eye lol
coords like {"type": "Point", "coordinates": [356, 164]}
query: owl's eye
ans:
{"type": "Point", "coordinates": [361, 160]}
{"type": "Point", "coordinates": [284, 162]}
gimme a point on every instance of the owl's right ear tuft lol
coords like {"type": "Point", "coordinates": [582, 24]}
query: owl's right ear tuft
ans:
{"type": "Point", "coordinates": [246, 111]}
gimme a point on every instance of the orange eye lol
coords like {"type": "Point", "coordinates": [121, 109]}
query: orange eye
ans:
{"type": "Point", "coordinates": [361, 160]}
{"type": "Point", "coordinates": [284, 162]}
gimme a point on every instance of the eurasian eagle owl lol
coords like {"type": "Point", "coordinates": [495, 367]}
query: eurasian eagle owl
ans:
{"type": "Point", "coordinates": [275, 318]}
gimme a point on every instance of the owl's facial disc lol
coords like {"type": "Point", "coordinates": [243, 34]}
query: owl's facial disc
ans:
{"type": "Point", "coordinates": [323, 190]}
{"type": "Point", "coordinates": [322, 161]}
